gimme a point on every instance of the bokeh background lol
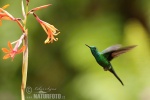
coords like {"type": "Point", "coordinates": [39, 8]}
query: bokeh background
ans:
{"type": "Point", "coordinates": [68, 65]}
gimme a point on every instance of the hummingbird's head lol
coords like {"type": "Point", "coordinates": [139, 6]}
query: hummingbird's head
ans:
{"type": "Point", "coordinates": [93, 48]}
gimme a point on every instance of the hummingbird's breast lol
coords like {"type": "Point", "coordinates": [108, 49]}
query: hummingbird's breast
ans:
{"type": "Point", "coordinates": [101, 60]}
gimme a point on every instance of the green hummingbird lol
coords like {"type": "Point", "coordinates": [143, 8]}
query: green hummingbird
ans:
{"type": "Point", "coordinates": [103, 58]}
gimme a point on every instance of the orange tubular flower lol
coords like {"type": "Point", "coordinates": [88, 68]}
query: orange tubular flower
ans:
{"type": "Point", "coordinates": [12, 52]}
{"type": "Point", "coordinates": [4, 7]}
{"type": "Point", "coordinates": [4, 15]}
{"type": "Point", "coordinates": [49, 29]}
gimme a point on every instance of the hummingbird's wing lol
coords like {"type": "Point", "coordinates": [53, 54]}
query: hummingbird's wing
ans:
{"type": "Point", "coordinates": [108, 51]}
{"type": "Point", "coordinates": [112, 48]}
{"type": "Point", "coordinates": [115, 51]}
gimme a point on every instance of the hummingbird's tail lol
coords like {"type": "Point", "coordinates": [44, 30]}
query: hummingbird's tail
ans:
{"type": "Point", "coordinates": [113, 72]}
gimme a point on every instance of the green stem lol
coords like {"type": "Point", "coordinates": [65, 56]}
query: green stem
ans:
{"type": "Point", "coordinates": [24, 67]}
{"type": "Point", "coordinates": [25, 59]}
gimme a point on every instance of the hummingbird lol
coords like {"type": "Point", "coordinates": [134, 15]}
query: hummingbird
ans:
{"type": "Point", "coordinates": [103, 58]}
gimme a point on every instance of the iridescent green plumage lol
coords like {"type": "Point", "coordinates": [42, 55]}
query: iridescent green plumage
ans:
{"type": "Point", "coordinates": [103, 58]}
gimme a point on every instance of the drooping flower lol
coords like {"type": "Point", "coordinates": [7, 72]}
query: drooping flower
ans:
{"type": "Point", "coordinates": [49, 29]}
{"type": "Point", "coordinates": [12, 52]}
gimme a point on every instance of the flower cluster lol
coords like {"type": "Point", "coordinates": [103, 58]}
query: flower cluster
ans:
{"type": "Point", "coordinates": [50, 30]}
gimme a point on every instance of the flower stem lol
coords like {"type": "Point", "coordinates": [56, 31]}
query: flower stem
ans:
{"type": "Point", "coordinates": [25, 58]}
{"type": "Point", "coordinates": [24, 67]}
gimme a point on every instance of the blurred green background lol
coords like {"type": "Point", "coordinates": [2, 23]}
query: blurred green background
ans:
{"type": "Point", "coordinates": [68, 64]}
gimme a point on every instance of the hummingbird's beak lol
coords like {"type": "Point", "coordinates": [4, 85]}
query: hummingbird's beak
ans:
{"type": "Point", "coordinates": [87, 45]}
